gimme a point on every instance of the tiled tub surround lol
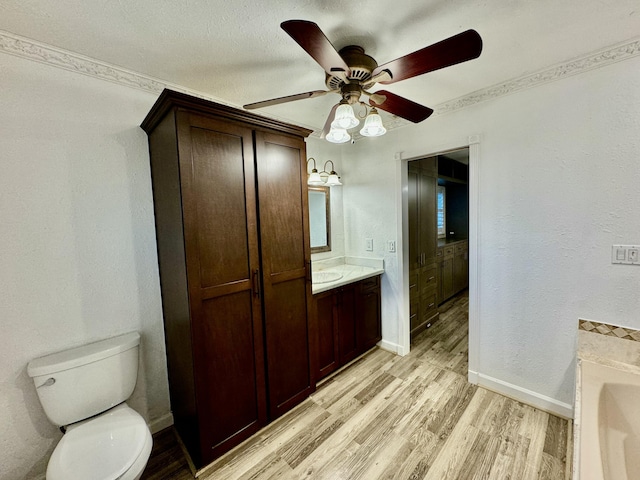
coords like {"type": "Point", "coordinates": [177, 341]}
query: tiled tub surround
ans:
{"type": "Point", "coordinates": [351, 269]}
{"type": "Point", "coordinates": [607, 392]}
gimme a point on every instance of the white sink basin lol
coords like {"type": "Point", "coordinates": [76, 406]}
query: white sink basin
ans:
{"type": "Point", "coordinates": [325, 277]}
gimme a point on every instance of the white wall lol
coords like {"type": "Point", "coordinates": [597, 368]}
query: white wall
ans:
{"type": "Point", "coordinates": [559, 183]}
{"type": "Point", "coordinates": [77, 242]}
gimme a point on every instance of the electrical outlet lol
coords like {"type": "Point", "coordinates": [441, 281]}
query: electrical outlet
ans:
{"type": "Point", "coordinates": [391, 246]}
{"type": "Point", "coordinates": [368, 242]}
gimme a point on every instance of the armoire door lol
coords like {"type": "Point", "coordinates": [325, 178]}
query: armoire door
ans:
{"type": "Point", "coordinates": [284, 227]}
{"type": "Point", "coordinates": [221, 241]}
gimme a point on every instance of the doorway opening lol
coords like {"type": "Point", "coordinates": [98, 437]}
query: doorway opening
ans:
{"type": "Point", "coordinates": [439, 266]}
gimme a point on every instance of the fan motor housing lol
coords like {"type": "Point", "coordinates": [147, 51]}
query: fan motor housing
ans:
{"type": "Point", "coordinates": [360, 63]}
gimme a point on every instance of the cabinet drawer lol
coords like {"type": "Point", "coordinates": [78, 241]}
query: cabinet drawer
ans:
{"type": "Point", "coordinates": [462, 247]}
{"type": "Point", "coordinates": [429, 278]}
{"type": "Point", "coordinates": [448, 250]}
{"type": "Point", "coordinates": [430, 306]}
{"type": "Point", "coordinates": [369, 283]}
{"type": "Point", "coordinates": [413, 277]}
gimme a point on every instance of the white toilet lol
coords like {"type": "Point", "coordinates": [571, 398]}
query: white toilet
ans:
{"type": "Point", "coordinates": [84, 389]}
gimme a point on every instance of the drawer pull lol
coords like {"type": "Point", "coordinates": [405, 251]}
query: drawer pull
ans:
{"type": "Point", "coordinates": [431, 278]}
{"type": "Point", "coordinates": [431, 305]}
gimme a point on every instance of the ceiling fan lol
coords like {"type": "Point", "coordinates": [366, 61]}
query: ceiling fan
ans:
{"type": "Point", "coordinates": [350, 72]}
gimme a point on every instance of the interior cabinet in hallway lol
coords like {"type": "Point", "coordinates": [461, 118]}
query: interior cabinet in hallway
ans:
{"type": "Point", "coordinates": [422, 181]}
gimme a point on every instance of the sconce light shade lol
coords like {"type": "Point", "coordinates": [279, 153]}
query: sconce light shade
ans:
{"type": "Point", "coordinates": [333, 179]}
{"type": "Point", "coordinates": [338, 135]}
{"type": "Point", "coordinates": [314, 178]}
{"type": "Point", "coordinates": [373, 125]}
{"type": "Point", "coordinates": [345, 118]}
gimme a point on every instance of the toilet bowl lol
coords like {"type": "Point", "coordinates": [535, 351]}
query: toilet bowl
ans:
{"type": "Point", "coordinates": [84, 389]}
{"type": "Point", "coordinates": [113, 445]}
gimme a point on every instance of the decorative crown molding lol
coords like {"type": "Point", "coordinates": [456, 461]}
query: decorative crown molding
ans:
{"type": "Point", "coordinates": [30, 49]}
{"type": "Point", "coordinates": [572, 67]}
{"type": "Point", "coordinates": [39, 52]}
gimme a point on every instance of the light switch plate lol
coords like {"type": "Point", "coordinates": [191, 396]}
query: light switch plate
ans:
{"type": "Point", "coordinates": [625, 254]}
{"type": "Point", "coordinates": [368, 242]}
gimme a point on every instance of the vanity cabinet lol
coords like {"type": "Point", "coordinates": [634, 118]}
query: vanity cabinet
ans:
{"type": "Point", "coordinates": [231, 213]}
{"type": "Point", "coordinates": [423, 264]}
{"type": "Point", "coordinates": [348, 323]}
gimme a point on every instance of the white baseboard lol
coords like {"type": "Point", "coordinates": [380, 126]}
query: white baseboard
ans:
{"type": "Point", "coordinates": [392, 347]}
{"type": "Point", "coordinates": [537, 400]}
{"type": "Point", "coordinates": [161, 423]}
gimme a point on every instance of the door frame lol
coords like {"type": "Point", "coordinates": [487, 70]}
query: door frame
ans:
{"type": "Point", "coordinates": [402, 225]}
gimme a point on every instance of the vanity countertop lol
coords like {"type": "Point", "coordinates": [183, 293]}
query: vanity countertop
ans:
{"type": "Point", "coordinates": [351, 269]}
{"type": "Point", "coordinates": [443, 242]}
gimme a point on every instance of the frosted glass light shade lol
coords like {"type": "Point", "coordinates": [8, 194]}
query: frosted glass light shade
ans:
{"type": "Point", "coordinates": [314, 178]}
{"type": "Point", "coordinates": [345, 118]}
{"type": "Point", "coordinates": [338, 135]}
{"type": "Point", "coordinates": [333, 180]}
{"type": "Point", "coordinates": [373, 125]}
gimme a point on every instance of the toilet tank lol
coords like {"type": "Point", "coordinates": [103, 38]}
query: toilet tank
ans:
{"type": "Point", "coordinates": [81, 382]}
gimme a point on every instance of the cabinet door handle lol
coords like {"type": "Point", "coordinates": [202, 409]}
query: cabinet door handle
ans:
{"type": "Point", "coordinates": [431, 305]}
{"type": "Point", "coordinates": [431, 278]}
{"type": "Point", "coordinates": [255, 282]}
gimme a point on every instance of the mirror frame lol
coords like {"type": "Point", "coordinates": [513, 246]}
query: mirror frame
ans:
{"type": "Point", "coordinates": [325, 190]}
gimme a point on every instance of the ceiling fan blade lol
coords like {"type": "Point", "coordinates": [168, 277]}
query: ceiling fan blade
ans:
{"type": "Point", "coordinates": [327, 125]}
{"type": "Point", "coordinates": [457, 49]}
{"type": "Point", "coordinates": [412, 111]}
{"type": "Point", "coordinates": [289, 98]}
{"type": "Point", "coordinates": [309, 36]}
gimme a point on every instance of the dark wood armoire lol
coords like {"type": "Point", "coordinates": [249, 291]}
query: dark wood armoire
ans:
{"type": "Point", "coordinates": [231, 213]}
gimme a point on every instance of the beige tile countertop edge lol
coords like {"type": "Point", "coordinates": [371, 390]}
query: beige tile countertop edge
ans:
{"type": "Point", "coordinates": [352, 270]}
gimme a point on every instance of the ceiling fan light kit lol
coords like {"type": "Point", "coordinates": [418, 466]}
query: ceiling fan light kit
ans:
{"type": "Point", "coordinates": [373, 126]}
{"type": "Point", "coordinates": [351, 73]}
{"type": "Point", "coordinates": [345, 118]}
{"type": "Point", "coordinates": [337, 135]}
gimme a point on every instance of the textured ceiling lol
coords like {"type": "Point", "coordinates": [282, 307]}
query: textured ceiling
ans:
{"type": "Point", "coordinates": [236, 51]}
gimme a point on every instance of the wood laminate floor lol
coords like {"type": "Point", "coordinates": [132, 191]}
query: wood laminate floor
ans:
{"type": "Point", "coordinates": [392, 417]}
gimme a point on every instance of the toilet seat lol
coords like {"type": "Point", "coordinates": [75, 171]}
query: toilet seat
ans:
{"type": "Point", "coordinates": [104, 447]}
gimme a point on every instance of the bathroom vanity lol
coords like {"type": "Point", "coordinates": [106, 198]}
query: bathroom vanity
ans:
{"type": "Point", "coordinates": [346, 309]}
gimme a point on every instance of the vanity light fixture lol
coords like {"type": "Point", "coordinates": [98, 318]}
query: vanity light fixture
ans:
{"type": "Point", "coordinates": [314, 177]}
{"type": "Point", "coordinates": [331, 178]}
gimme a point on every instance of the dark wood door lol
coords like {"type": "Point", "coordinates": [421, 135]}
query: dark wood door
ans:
{"type": "Point", "coordinates": [347, 338]}
{"type": "Point", "coordinates": [327, 338]}
{"type": "Point", "coordinates": [368, 314]}
{"type": "Point", "coordinates": [284, 231]}
{"type": "Point", "coordinates": [221, 243]}
{"type": "Point", "coordinates": [447, 278]}
{"type": "Point", "coordinates": [428, 220]}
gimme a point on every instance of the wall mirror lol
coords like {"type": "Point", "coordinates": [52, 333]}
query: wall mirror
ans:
{"type": "Point", "coordinates": [319, 219]}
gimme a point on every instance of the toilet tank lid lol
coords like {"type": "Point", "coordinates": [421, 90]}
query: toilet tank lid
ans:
{"type": "Point", "coordinates": [75, 357]}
